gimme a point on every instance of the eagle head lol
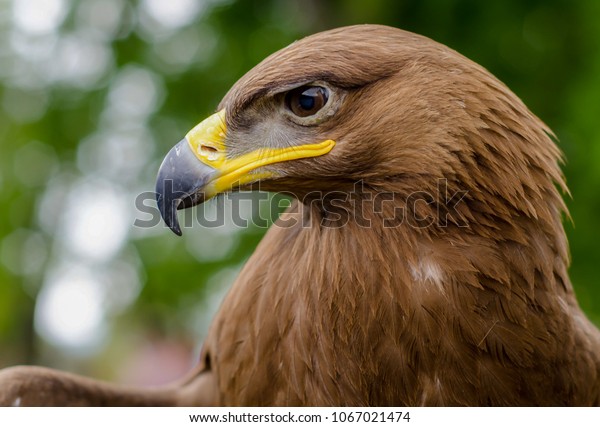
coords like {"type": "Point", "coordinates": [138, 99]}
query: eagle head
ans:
{"type": "Point", "coordinates": [399, 114]}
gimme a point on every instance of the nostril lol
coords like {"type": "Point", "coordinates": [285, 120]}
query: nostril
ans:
{"type": "Point", "coordinates": [208, 149]}
{"type": "Point", "coordinates": [211, 153]}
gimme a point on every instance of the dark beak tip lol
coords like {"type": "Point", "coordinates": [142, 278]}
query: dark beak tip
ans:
{"type": "Point", "coordinates": [167, 208]}
{"type": "Point", "coordinates": [176, 230]}
{"type": "Point", "coordinates": [179, 183]}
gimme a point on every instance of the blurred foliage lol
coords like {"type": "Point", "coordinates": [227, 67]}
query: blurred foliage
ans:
{"type": "Point", "coordinates": [94, 93]}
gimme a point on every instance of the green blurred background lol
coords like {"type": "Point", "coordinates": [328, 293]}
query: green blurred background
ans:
{"type": "Point", "coordinates": [93, 93]}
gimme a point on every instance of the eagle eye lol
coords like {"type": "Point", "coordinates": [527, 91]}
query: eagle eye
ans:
{"type": "Point", "coordinates": [306, 101]}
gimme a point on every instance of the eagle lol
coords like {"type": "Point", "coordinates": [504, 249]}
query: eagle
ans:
{"type": "Point", "coordinates": [423, 260]}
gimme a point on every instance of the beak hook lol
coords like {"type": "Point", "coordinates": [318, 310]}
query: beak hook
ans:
{"type": "Point", "coordinates": [179, 183]}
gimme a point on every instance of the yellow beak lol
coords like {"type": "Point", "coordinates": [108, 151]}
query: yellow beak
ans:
{"type": "Point", "coordinates": [199, 167]}
{"type": "Point", "coordinates": [207, 141]}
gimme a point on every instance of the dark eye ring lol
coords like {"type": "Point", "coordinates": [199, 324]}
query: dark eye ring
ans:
{"type": "Point", "coordinates": [306, 101]}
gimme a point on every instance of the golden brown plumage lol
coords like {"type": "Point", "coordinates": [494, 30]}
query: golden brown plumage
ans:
{"type": "Point", "coordinates": [464, 301]}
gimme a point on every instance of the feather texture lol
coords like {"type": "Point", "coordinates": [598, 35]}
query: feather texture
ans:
{"type": "Point", "coordinates": [475, 309]}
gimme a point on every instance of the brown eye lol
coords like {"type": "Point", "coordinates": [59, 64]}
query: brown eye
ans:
{"type": "Point", "coordinates": [306, 100]}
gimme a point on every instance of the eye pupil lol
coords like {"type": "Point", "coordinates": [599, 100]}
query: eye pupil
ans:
{"type": "Point", "coordinates": [306, 100]}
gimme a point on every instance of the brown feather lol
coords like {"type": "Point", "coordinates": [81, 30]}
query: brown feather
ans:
{"type": "Point", "coordinates": [480, 312]}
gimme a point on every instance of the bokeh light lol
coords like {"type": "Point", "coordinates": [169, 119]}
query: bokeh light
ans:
{"type": "Point", "coordinates": [69, 310]}
{"type": "Point", "coordinates": [39, 17]}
